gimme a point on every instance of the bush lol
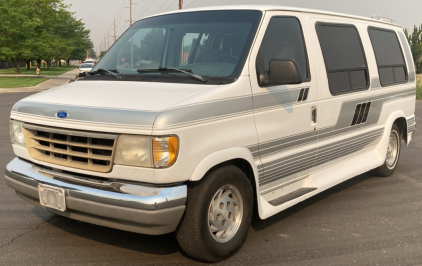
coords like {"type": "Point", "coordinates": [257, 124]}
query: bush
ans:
{"type": "Point", "coordinates": [419, 89]}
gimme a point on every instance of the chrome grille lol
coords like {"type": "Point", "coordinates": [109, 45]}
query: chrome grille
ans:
{"type": "Point", "coordinates": [76, 149]}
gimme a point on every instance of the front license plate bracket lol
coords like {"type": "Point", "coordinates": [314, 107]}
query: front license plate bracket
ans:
{"type": "Point", "coordinates": [52, 197]}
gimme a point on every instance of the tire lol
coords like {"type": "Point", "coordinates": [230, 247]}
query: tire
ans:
{"type": "Point", "coordinates": [194, 233]}
{"type": "Point", "coordinates": [393, 154]}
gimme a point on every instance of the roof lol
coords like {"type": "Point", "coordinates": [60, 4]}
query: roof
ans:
{"type": "Point", "coordinates": [275, 8]}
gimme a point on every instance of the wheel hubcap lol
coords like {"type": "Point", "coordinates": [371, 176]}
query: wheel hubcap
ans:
{"type": "Point", "coordinates": [225, 213]}
{"type": "Point", "coordinates": [392, 150]}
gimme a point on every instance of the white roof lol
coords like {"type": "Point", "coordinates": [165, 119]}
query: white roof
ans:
{"type": "Point", "coordinates": [275, 8]}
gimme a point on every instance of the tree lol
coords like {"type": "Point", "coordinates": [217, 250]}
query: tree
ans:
{"type": "Point", "coordinates": [17, 32]}
{"type": "Point", "coordinates": [102, 53]}
{"type": "Point", "coordinates": [415, 42]}
{"type": "Point", "coordinates": [151, 44]}
{"type": "Point", "coordinates": [41, 30]}
{"type": "Point", "coordinates": [92, 53]}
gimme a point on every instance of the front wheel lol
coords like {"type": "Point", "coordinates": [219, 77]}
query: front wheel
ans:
{"type": "Point", "coordinates": [218, 215]}
{"type": "Point", "coordinates": [392, 156]}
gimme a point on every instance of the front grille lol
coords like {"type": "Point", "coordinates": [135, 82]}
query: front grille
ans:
{"type": "Point", "coordinates": [76, 149]}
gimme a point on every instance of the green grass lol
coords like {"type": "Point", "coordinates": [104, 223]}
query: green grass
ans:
{"type": "Point", "coordinates": [9, 82]}
{"type": "Point", "coordinates": [53, 71]}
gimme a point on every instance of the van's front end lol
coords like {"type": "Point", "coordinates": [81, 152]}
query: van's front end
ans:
{"type": "Point", "coordinates": [121, 147]}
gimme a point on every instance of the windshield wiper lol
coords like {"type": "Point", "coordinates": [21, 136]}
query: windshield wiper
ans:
{"type": "Point", "coordinates": [184, 71]}
{"type": "Point", "coordinates": [101, 70]}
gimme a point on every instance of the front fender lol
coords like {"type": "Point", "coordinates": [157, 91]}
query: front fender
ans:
{"type": "Point", "coordinates": [223, 156]}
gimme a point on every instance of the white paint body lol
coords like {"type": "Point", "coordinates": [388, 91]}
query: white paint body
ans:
{"type": "Point", "coordinates": [211, 141]}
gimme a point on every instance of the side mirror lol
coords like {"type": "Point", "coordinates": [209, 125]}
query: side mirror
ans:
{"type": "Point", "coordinates": [281, 72]}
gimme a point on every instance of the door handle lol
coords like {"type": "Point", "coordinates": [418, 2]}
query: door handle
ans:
{"type": "Point", "coordinates": [314, 115]}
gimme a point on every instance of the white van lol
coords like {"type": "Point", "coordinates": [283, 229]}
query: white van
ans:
{"type": "Point", "coordinates": [235, 110]}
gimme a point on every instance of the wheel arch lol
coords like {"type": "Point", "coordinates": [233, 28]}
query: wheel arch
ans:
{"type": "Point", "coordinates": [239, 156]}
{"type": "Point", "coordinates": [401, 123]}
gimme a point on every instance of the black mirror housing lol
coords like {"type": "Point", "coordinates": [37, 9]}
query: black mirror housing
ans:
{"type": "Point", "coordinates": [281, 72]}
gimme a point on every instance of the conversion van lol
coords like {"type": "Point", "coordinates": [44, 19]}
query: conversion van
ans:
{"type": "Point", "coordinates": [233, 110]}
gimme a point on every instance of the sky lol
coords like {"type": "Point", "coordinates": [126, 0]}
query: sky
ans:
{"type": "Point", "coordinates": [99, 15]}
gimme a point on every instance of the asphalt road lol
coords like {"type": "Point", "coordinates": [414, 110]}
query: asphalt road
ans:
{"type": "Point", "coordinates": [365, 221]}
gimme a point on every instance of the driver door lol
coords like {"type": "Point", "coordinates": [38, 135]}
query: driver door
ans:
{"type": "Point", "coordinates": [285, 115]}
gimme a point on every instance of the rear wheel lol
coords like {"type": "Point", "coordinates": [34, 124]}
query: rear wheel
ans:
{"type": "Point", "coordinates": [392, 156]}
{"type": "Point", "coordinates": [218, 215]}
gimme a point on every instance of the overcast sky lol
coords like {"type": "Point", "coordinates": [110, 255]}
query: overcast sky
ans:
{"type": "Point", "coordinates": [98, 15]}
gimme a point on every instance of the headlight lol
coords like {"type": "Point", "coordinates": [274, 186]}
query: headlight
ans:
{"type": "Point", "coordinates": [165, 150]}
{"type": "Point", "coordinates": [143, 151]}
{"type": "Point", "coordinates": [134, 151]}
{"type": "Point", "coordinates": [16, 133]}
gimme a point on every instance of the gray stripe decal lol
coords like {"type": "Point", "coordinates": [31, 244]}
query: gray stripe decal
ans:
{"type": "Point", "coordinates": [276, 98]}
{"type": "Point", "coordinates": [326, 153]}
{"type": "Point", "coordinates": [90, 114]}
{"type": "Point", "coordinates": [210, 110]}
{"type": "Point", "coordinates": [341, 127]}
{"type": "Point", "coordinates": [406, 49]}
{"type": "Point", "coordinates": [299, 156]}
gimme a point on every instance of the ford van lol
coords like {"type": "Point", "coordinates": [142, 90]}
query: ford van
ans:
{"type": "Point", "coordinates": [196, 119]}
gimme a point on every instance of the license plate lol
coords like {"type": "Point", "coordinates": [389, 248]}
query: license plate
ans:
{"type": "Point", "coordinates": [52, 197]}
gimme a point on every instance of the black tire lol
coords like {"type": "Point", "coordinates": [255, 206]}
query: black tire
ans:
{"type": "Point", "coordinates": [193, 234]}
{"type": "Point", "coordinates": [387, 169]}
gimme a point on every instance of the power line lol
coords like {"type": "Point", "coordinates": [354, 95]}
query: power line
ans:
{"type": "Point", "coordinates": [161, 6]}
{"type": "Point", "coordinates": [170, 5]}
{"type": "Point", "coordinates": [137, 5]}
{"type": "Point", "coordinates": [190, 4]}
{"type": "Point", "coordinates": [140, 11]}
{"type": "Point", "coordinates": [146, 9]}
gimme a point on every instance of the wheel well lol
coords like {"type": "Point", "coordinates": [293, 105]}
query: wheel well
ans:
{"type": "Point", "coordinates": [243, 165]}
{"type": "Point", "coordinates": [402, 125]}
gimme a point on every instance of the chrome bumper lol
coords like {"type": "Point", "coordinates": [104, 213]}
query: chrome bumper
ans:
{"type": "Point", "coordinates": [125, 206]}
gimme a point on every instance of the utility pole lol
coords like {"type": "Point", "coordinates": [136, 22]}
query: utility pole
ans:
{"type": "Point", "coordinates": [130, 12]}
{"type": "Point", "coordinates": [180, 4]}
{"type": "Point", "coordinates": [114, 29]}
{"type": "Point", "coordinates": [108, 38]}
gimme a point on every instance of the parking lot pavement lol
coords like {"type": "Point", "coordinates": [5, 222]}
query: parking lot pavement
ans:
{"type": "Point", "coordinates": [365, 221]}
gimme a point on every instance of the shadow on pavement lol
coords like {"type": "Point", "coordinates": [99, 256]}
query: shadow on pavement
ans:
{"type": "Point", "coordinates": [259, 224]}
{"type": "Point", "coordinates": [158, 245]}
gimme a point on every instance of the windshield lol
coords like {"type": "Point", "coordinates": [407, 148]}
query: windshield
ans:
{"type": "Point", "coordinates": [207, 43]}
{"type": "Point", "coordinates": [86, 66]}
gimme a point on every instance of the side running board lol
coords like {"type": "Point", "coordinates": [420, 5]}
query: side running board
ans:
{"type": "Point", "coordinates": [292, 195]}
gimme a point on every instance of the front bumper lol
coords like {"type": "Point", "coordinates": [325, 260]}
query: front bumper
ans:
{"type": "Point", "coordinates": [125, 206]}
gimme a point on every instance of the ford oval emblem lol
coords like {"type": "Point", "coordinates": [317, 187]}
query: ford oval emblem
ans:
{"type": "Point", "coordinates": [62, 114]}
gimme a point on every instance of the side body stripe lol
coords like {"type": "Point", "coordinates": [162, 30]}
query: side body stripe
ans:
{"type": "Point", "coordinates": [286, 166]}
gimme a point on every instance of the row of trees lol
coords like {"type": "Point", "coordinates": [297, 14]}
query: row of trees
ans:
{"type": "Point", "coordinates": [41, 30]}
{"type": "Point", "coordinates": [415, 42]}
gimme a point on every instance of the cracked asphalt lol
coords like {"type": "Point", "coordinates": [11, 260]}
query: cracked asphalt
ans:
{"type": "Point", "coordinates": [365, 221]}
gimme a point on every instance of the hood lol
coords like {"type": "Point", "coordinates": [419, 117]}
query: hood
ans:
{"type": "Point", "coordinates": [109, 102]}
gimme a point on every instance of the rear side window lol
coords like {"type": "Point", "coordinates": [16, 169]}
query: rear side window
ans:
{"type": "Point", "coordinates": [391, 65]}
{"type": "Point", "coordinates": [344, 57]}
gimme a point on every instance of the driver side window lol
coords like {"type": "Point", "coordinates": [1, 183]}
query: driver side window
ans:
{"type": "Point", "coordinates": [283, 40]}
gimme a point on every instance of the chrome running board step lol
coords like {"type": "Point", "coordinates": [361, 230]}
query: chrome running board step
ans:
{"type": "Point", "coordinates": [292, 195]}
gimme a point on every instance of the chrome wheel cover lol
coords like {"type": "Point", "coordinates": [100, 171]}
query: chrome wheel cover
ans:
{"type": "Point", "coordinates": [225, 213]}
{"type": "Point", "coordinates": [392, 150]}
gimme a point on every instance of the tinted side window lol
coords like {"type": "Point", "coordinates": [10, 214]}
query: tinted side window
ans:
{"type": "Point", "coordinates": [344, 58]}
{"type": "Point", "coordinates": [283, 40]}
{"type": "Point", "coordinates": [390, 61]}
